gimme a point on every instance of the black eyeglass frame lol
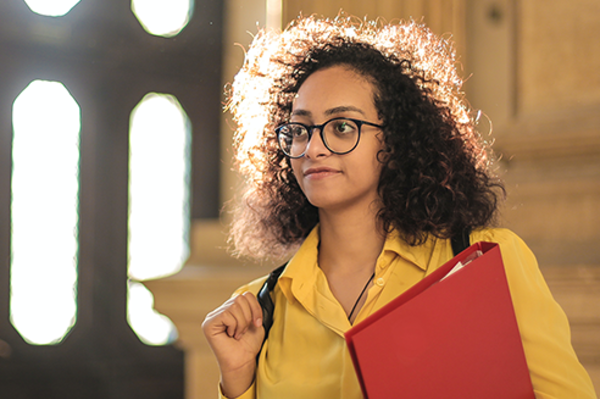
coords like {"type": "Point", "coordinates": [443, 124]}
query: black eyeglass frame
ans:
{"type": "Point", "coordinates": [310, 129]}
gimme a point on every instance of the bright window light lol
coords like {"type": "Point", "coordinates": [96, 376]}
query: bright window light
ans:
{"type": "Point", "coordinates": [44, 212]}
{"type": "Point", "coordinates": [159, 176]}
{"type": "Point", "coordinates": [163, 17]}
{"type": "Point", "coordinates": [151, 327]}
{"type": "Point", "coordinates": [51, 8]}
{"type": "Point", "coordinates": [159, 196]}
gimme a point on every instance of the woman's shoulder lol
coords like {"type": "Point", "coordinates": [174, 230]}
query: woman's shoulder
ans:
{"type": "Point", "coordinates": [516, 255]}
{"type": "Point", "coordinates": [514, 250]}
{"type": "Point", "coordinates": [502, 236]}
{"type": "Point", "coordinates": [253, 286]}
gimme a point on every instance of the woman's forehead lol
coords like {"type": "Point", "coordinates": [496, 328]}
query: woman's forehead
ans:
{"type": "Point", "coordinates": [333, 91]}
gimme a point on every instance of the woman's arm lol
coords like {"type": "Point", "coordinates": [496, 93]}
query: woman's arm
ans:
{"type": "Point", "coordinates": [235, 334]}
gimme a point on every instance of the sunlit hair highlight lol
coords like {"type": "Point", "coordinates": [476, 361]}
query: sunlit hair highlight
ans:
{"type": "Point", "coordinates": [435, 179]}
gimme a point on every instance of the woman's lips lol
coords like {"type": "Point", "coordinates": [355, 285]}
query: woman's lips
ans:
{"type": "Point", "coordinates": [319, 173]}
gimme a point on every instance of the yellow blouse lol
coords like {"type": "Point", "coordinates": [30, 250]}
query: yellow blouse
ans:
{"type": "Point", "coordinates": [306, 355]}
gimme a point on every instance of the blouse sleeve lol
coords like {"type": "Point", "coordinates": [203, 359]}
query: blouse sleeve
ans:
{"type": "Point", "coordinates": [249, 394]}
{"type": "Point", "coordinates": [555, 371]}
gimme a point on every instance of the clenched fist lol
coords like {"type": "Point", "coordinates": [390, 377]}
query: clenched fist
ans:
{"type": "Point", "coordinates": [235, 334]}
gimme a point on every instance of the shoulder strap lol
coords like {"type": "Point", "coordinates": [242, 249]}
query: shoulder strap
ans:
{"type": "Point", "coordinates": [265, 299]}
{"type": "Point", "coordinates": [460, 242]}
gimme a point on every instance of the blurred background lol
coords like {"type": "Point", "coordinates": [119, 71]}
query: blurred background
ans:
{"type": "Point", "coordinates": [115, 163]}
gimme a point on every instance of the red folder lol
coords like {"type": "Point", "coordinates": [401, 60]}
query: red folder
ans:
{"type": "Point", "coordinates": [456, 338]}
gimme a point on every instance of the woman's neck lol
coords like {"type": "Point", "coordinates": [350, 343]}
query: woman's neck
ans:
{"type": "Point", "coordinates": [350, 241]}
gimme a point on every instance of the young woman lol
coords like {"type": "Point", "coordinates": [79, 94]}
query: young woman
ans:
{"type": "Point", "coordinates": [360, 155]}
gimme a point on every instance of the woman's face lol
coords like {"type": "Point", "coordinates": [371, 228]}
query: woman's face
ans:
{"type": "Point", "coordinates": [331, 181]}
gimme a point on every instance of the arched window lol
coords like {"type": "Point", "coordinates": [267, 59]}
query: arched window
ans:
{"type": "Point", "coordinates": [51, 8]}
{"type": "Point", "coordinates": [44, 212]}
{"type": "Point", "coordinates": [159, 207]}
{"type": "Point", "coordinates": [163, 18]}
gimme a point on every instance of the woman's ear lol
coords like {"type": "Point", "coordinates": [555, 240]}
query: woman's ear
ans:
{"type": "Point", "coordinates": [383, 155]}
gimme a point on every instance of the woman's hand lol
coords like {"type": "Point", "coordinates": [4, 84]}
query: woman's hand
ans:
{"type": "Point", "coordinates": [235, 334]}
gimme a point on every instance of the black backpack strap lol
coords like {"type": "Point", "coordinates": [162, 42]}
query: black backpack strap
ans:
{"type": "Point", "coordinates": [265, 299]}
{"type": "Point", "coordinates": [460, 242]}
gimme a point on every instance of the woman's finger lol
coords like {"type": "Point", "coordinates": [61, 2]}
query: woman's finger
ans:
{"type": "Point", "coordinates": [223, 319]}
{"type": "Point", "coordinates": [241, 310]}
{"type": "Point", "coordinates": [256, 309]}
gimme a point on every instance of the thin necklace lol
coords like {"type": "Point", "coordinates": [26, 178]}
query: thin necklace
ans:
{"type": "Point", "coordinates": [360, 296]}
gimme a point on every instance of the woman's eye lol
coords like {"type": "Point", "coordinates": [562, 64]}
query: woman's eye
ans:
{"type": "Point", "coordinates": [298, 131]}
{"type": "Point", "coordinates": [344, 127]}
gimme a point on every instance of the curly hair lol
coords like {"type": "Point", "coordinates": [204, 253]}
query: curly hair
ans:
{"type": "Point", "coordinates": [436, 177]}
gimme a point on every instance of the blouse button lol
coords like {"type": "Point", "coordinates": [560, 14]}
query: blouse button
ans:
{"type": "Point", "coordinates": [380, 281]}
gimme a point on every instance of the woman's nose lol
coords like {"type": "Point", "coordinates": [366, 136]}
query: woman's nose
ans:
{"type": "Point", "coordinates": [315, 147]}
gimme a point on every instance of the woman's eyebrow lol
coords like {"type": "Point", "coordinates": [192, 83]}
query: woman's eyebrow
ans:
{"type": "Point", "coordinates": [331, 111]}
{"type": "Point", "coordinates": [344, 108]}
{"type": "Point", "coordinates": [301, 112]}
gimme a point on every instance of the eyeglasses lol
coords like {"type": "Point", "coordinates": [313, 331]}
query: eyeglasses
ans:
{"type": "Point", "coordinates": [340, 136]}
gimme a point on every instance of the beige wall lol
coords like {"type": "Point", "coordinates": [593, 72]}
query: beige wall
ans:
{"type": "Point", "coordinates": [559, 54]}
{"type": "Point", "coordinates": [534, 68]}
{"type": "Point", "coordinates": [535, 72]}
{"type": "Point", "coordinates": [444, 17]}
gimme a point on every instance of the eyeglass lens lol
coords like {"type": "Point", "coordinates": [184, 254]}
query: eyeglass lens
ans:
{"type": "Point", "coordinates": [339, 136]}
